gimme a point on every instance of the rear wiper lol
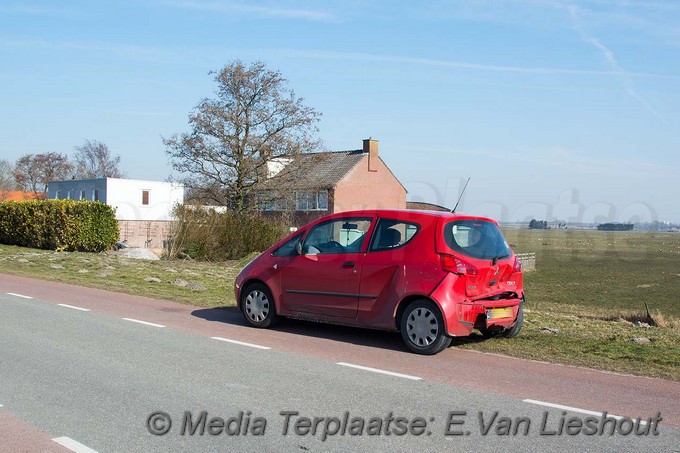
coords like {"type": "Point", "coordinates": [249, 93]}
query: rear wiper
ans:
{"type": "Point", "coordinates": [495, 259]}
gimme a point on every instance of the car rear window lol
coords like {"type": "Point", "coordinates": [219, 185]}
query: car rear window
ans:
{"type": "Point", "coordinates": [477, 239]}
{"type": "Point", "coordinates": [391, 234]}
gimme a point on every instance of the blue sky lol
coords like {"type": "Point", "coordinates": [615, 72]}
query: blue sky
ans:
{"type": "Point", "coordinates": [554, 108]}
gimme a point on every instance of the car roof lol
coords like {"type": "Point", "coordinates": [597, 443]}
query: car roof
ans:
{"type": "Point", "coordinates": [407, 213]}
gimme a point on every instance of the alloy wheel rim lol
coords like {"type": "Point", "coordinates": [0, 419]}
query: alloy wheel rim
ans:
{"type": "Point", "coordinates": [422, 327]}
{"type": "Point", "coordinates": [257, 306]}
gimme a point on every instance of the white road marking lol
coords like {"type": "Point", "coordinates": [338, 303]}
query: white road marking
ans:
{"type": "Point", "coordinates": [257, 346]}
{"type": "Point", "coordinates": [19, 295]}
{"type": "Point", "coordinates": [73, 445]}
{"type": "Point", "coordinates": [74, 307]}
{"type": "Point", "coordinates": [576, 409]}
{"type": "Point", "coordinates": [146, 323]}
{"type": "Point", "coordinates": [376, 370]}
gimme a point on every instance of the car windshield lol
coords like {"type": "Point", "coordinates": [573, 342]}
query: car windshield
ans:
{"type": "Point", "coordinates": [477, 239]}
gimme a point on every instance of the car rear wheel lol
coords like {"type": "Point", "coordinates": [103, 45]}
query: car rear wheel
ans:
{"type": "Point", "coordinates": [514, 330]}
{"type": "Point", "coordinates": [422, 328]}
{"type": "Point", "coordinates": [257, 306]}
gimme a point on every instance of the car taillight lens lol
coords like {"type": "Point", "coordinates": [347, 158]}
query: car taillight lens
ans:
{"type": "Point", "coordinates": [457, 266]}
{"type": "Point", "coordinates": [517, 266]}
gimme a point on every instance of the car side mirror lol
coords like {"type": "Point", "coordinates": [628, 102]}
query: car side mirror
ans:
{"type": "Point", "coordinates": [298, 248]}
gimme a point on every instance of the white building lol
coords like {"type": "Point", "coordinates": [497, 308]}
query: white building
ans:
{"type": "Point", "coordinates": [143, 208]}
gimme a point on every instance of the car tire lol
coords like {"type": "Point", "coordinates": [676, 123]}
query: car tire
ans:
{"type": "Point", "coordinates": [514, 330]}
{"type": "Point", "coordinates": [257, 306]}
{"type": "Point", "coordinates": [489, 333]}
{"type": "Point", "coordinates": [422, 328]}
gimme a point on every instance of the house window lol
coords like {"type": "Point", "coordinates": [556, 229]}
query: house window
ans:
{"type": "Point", "coordinates": [82, 194]}
{"type": "Point", "coordinates": [95, 195]}
{"type": "Point", "coordinates": [269, 201]}
{"type": "Point", "coordinates": [311, 201]}
{"type": "Point", "coordinates": [58, 195]}
{"type": "Point", "coordinates": [145, 197]}
{"type": "Point", "coordinates": [69, 194]}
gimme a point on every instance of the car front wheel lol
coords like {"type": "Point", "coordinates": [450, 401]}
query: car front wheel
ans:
{"type": "Point", "coordinates": [257, 306]}
{"type": "Point", "coordinates": [422, 328]}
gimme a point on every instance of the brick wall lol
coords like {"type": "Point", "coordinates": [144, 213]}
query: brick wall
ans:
{"type": "Point", "coordinates": [144, 234]}
{"type": "Point", "coordinates": [364, 189]}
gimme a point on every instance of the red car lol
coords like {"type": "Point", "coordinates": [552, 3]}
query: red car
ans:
{"type": "Point", "coordinates": [431, 275]}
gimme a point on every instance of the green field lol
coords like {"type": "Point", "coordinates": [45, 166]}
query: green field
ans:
{"type": "Point", "coordinates": [607, 273]}
{"type": "Point", "coordinates": [584, 301]}
{"type": "Point", "coordinates": [587, 296]}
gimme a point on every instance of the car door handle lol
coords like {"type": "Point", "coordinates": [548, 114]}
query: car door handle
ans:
{"type": "Point", "coordinates": [348, 265]}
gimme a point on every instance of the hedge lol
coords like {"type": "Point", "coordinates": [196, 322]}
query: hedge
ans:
{"type": "Point", "coordinates": [86, 226]}
{"type": "Point", "coordinates": [207, 235]}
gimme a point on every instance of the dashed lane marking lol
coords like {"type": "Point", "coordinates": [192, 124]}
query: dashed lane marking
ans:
{"type": "Point", "coordinates": [146, 323]}
{"type": "Point", "coordinates": [74, 307]}
{"type": "Point", "coordinates": [242, 343]}
{"type": "Point", "coordinates": [19, 295]}
{"type": "Point", "coordinates": [73, 445]}
{"type": "Point", "coordinates": [377, 370]}
{"type": "Point", "coordinates": [576, 409]}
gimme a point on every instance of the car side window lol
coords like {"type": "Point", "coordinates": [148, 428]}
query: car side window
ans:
{"type": "Point", "coordinates": [337, 236]}
{"type": "Point", "coordinates": [288, 247]}
{"type": "Point", "coordinates": [391, 234]}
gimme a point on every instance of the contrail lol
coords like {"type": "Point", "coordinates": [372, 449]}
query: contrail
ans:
{"type": "Point", "coordinates": [626, 78]}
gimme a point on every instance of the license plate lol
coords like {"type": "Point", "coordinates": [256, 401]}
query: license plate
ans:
{"type": "Point", "coordinates": [495, 313]}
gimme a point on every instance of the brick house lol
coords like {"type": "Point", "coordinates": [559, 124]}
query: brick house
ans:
{"type": "Point", "coordinates": [322, 183]}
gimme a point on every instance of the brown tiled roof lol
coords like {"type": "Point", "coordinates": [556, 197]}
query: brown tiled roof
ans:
{"type": "Point", "coordinates": [321, 170]}
{"type": "Point", "coordinates": [424, 206]}
{"type": "Point", "coordinates": [17, 195]}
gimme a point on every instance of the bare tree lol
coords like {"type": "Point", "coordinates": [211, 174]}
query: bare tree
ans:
{"type": "Point", "coordinates": [7, 181]}
{"type": "Point", "coordinates": [32, 172]}
{"type": "Point", "coordinates": [94, 160]}
{"type": "Point", "coordinates": [253, 119]}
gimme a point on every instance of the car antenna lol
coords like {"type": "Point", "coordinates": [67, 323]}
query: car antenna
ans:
{"type": "Point", "coordinates": [461, 195]}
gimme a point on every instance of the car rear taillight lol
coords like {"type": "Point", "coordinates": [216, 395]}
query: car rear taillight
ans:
{"type": "Point", "coordinates": [517, 265]}
{"type": "Point", "coordinates": [458, 266]}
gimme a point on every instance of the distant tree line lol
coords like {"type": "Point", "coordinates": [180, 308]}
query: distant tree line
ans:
{"type": "Point", "coordinates": [543, 225]}
{"type": "Point", "coordinates": [538, 224]}
{"type": "Point", "coordinates": [615, 227]}
{"type": "Point", "coordinates": [32, 172]}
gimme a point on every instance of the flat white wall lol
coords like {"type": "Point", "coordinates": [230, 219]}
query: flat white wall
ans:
{"type": "Point", "coordinates": [126, 195]}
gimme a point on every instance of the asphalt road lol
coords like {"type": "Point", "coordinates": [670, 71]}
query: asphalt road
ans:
{"type": "Point", "coordinates": [94, 377]}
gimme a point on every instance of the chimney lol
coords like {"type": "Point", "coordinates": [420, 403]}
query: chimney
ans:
{"type": "Point", "coordinates": [371, 147]}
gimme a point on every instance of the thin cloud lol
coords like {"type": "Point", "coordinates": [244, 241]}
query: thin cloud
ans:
{"type": "Point", "coordinates": [32, 10]}
{"type": "Point", "coordinates": [331, 55]}
{"type": "Point", "coordinates": [189, 55]}
{"type": "Point", "coordinates": [135, 113]}
{"type": "Point", "coordinates": [130, 51]}
{"type": "Point", "coordinates": [662, 6]}
{"type": "Point", "coordinates": [610, 59]}
{"type": "Point", "coordinates": [565, 159]}
{"type": "Point", "coordinates": [226, 7]}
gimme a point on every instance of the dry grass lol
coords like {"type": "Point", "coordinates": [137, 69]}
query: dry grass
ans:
{"type": "Point", "coordinates": [207, 284]}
